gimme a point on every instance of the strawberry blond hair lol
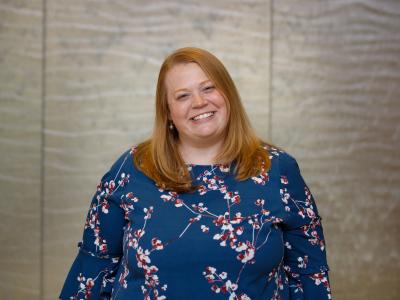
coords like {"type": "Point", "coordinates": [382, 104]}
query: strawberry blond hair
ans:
{"type": "Point", "coordinates": [159, 158]}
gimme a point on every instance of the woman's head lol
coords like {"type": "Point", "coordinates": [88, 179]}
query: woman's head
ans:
{"type": "Point", "coordinates": [197, 110]}
{"type": "Point", "coordinates": [202, 80]}
{"type": "Point", "coordinates": [192, 71]}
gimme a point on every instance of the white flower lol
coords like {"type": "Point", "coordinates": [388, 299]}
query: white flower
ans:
{"type": "Point", "coordinates": [227, 227]}
{"type": "Point", "coordinates": [217, 236]}
{"type": "Point", "coordinates": [241, 247]}
{"type": "Point", "coordinates": [166, 197]}
{"type": "Point", "coordinates": [204, 228]}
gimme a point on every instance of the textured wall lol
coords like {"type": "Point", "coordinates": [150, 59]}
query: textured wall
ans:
{"type": "Point", "coordinates": [317, 78]}
{"type": "Point", "coordinates": [20, 148]}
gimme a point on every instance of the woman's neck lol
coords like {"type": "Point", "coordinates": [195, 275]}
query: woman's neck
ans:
{"type": "Point", "coordinates": [199, 154]}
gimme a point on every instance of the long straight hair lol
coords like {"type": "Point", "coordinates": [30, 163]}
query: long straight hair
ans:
{"type": "Point", "coordinates": [159, 158]}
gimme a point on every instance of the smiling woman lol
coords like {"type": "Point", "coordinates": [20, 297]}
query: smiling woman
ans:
{"type": "Point", "coordinates": [203, 209]}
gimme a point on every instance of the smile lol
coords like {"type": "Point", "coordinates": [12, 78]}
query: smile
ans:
{"type": "Point", "coordinates": [203, 116]}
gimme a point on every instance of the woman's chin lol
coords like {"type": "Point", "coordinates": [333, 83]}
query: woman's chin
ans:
{"type": "Point", "coordinates": [208, 135]}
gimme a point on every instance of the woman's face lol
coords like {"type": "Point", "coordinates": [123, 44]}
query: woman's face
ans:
{"type": "Point", "coordinates": [197, 109]}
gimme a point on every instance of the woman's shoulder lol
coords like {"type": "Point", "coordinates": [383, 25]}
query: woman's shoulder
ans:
{"type": "Point", "coordinates": [280, 158]}
{"type": "Point", "coordinates": [125, 165]}
{"type": "Point", "coordinates": [122, 169]}
{"type": "Point", "coordinates": [124, 160]}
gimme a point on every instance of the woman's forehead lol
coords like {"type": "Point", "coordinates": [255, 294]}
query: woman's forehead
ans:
{"type": "Point", "coordinates": [182, 75]}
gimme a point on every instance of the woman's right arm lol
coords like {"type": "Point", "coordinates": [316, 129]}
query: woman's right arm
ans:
{"type": "Point", "coordinates": [93, 272]}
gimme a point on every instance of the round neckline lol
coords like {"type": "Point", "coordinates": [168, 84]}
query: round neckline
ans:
{"type": "Point", "coordinates": [202, 165]}
{"type": "Point", "coordinates": [213, 168]}
{"type": "Point", "coordinates": [207, 165]}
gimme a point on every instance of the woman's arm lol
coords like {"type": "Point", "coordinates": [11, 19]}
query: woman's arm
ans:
{"type": "Point", "coordinates": [305, 256]}
{"type": "Point", "coordinates": [93, 271]}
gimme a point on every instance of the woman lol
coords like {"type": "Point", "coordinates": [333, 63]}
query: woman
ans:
{"type": "Point", "coordinates": [203, 209]}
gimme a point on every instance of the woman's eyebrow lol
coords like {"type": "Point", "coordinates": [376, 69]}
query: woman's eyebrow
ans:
{"type": "Point", "coordinates": [182, 89]}
{"type": "Point", "coordinates": [185, 89]}
{"type": "Point", "coordinates": [205, 81]}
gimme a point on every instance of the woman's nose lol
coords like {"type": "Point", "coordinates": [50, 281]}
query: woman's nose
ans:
{"type": "Point", "coordinates": [198, 101]}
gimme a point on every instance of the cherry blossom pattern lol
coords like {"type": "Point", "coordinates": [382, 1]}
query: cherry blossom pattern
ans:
{"type": "Point", "coordinates": [273, 151]}
{"type": "Point", "coordinates": [171, 197]}
{"type": "Point", "coordinates": [319, 278]}
{"type": "Point", "coordinates": [209, 179]}
{"type": "Point", "coordinates": [322, 278]}
{"type": "Point", "coordinates": [305, 209]}
{"type": "Point", "coordinates": [100, 205]}
{"type": "Point", "coordinates": [220, 284]}
{"type": "Point", "coordinates": [230, 226]}
{"type": "Point", "coordinates": [233, 226]}
{"type": "Point", "coordinates": [279, 280]}
{"type": "Point", "coordinates": [86, 284]}
{"type": "Point", "coordinates": [263, 177]}
{"type": "Point", "coordinates": [151, 288]}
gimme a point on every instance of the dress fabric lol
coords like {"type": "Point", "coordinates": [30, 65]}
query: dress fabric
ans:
{"type": "Point", "coordinates": [255, 239]}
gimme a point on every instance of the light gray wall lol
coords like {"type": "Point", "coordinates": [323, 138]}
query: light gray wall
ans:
{"type": "Point", "coordinates": [318, 78]}
{"type": "Point", "coordinates": [21, 117]}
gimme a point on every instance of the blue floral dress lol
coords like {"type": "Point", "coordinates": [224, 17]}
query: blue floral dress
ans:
{"type": "Point", "coordinates": [255, 239]}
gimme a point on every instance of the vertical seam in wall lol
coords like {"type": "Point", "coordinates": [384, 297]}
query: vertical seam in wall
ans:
{"type": "Point", "coordinates": [43, 152]}
{"type": "Point", "coordinates": [271, 56]}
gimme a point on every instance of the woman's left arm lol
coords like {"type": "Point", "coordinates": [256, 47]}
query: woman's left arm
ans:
{"type": "Point", "coordinates": [305, 256]}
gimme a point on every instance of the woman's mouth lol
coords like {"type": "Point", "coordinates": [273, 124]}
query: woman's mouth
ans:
{"type": "Point", "coordinates": [203, 116]}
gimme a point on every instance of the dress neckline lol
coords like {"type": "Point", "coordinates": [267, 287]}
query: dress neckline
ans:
{"type": "Point", "coordinates": [220, 170]}
{"type": "Point", "coordinates": [206, 165]}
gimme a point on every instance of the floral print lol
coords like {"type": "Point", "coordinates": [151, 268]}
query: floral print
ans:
{"type": "Point", "coordinates": [255, 239]}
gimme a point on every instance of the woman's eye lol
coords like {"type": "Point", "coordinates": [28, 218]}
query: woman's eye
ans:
{"type": "Point", "coordinates": [209, 88]}
{"type": "Point", "coordinates": [183, 96]}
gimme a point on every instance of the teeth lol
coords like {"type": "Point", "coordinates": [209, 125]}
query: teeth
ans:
{"type": "Point", "coordinates": [202, 116]}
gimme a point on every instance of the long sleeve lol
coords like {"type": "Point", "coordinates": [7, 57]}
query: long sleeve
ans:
{"type": "Point", "coordinates": [305, 258]}
{"type": "Point", "coordinates": [93, 272]}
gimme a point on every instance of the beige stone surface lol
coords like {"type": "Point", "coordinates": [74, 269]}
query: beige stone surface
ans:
{"type": "Point", "coordinates": [335, 106]}
{"type": "Point", "coordinates": [20, 148]}
{"type": "Point", "coordinates": [102, 65]}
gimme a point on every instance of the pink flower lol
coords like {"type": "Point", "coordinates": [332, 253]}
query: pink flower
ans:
{"type": "Point", "coordinates": [157, 244]}
{"type": "Point", "coordinates": [139, 233]}
{"type": "Point", "coordinates": [247, 254]}
{"type": "Point", "coordinates": [89, 283]}
{"type": "Point", "coordinates": [105, 206]}
{"type": "Point", "coordinates": [260, 202]}
{"type": "Point", "coordinates": [265, 212]}
{"type": "Point", "coordinates": [215, 288]}
{"type": "Point", "coordinates": [103, 247]}
{"type": "Point", "coordinates": [239, 230]}
{"type": "Point", "coordinates": [204, 228]}
{"type": "Point", "coordinates": [235, 199]}
{"type": "Point", "coordinates": [243, 297]}
{"type": "Point", "coordinates": [310, 213]}
{"type": "Point", "coordinates": [130, 196]}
